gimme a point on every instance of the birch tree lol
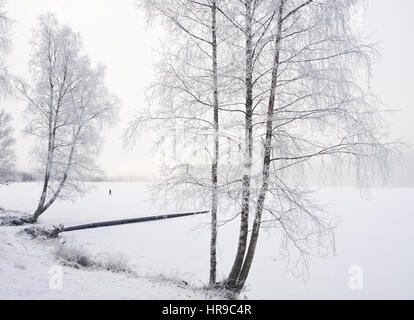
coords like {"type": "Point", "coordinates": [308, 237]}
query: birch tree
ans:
{"type": "Point", "coordinates": [6, 139]}
{"type": "Point", "coordinates": [188, 91]}
{"type": "Point", "coordinates": [314, 109]}
{"type": "Point", "coordinates": [5, 26]}
{"type": "Point", "coordinates": [294, 96]}
{"type": "Point", "coordinates": [68, 105]}
{"type": "Point", "coordinates": [6, 147]}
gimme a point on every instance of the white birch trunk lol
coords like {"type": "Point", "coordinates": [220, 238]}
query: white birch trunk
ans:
{"type": "Point", "coordinates": [266, 159]}
{"type": "Point", "coordinates": [214, 170]}
{"type": "Point", "coordinates": [248, 152]}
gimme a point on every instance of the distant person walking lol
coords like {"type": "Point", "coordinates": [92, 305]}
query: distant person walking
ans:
{"type": "Point", "coordinates": [110, 192]}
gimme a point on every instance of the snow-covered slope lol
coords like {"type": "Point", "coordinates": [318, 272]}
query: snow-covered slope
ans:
{"type": "Point", "coordinates": [27, 268]}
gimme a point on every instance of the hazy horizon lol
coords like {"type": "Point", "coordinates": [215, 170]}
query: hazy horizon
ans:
{"type": "Point", "coordinates": [116, 34]}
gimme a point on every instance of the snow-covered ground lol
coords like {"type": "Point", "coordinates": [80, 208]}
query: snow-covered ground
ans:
{"type": "Point", "coordinates": [28, 270]}
{"type": "Point", "coordinates": [374, 233]}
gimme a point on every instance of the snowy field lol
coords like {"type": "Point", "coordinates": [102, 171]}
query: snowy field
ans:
{"type": "Point", "coordinates": [374, 233]}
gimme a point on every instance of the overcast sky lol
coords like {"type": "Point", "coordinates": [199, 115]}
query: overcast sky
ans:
{"type": "Point", "coordinates": [115, 34]}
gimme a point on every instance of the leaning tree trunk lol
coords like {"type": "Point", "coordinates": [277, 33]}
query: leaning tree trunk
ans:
{"type": "Point", "coordinates": [43, 206]}
{"type": "Point", "coordinates": [214, 169]}
{"type": "Point", "coordinates": [266, 160]}
{"type": "Point", "coordinates": [50, 151]}
{"type": "Point", "coordinates": [248, 154]}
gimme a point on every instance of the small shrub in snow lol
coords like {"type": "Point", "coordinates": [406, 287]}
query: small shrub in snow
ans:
{"type": "Point", "coordinates": [72, 256]}
{"type": "Point", "coordinates": [11, 221]}
{"type": "Point", "coordinates": [116, 264]}
{"type": "Point", "coordinates": [35, 232]}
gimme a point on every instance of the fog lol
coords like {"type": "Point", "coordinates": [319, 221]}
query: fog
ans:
{"type": "Point", "coordinates": [115, 33]}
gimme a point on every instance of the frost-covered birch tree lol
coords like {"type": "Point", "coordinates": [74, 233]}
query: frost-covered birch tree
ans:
{"type": "Point", "coordinates": [68, 106]}
{"type": "Point", "coordinates": [5, 26]}
{"type": "Point", "coordinates": [294, 96]}
{"type": "Point", "coordinates": [6, 138]}
{"type": "Point", "coordinates": [6, 147]}
{"type": "Point", "coordinates": [188, 92]}
{"type": "Point", "coordinates": [305, 66]}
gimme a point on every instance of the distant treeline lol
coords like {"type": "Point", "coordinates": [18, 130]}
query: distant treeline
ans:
{"type": "Point", "coordinates": [26, 176]}
{"type": "Point", "coordinates": [22, 176]}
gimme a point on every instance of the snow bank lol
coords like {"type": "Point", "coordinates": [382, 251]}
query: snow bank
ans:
{"type": "Point", "coordinates": [28, 269]}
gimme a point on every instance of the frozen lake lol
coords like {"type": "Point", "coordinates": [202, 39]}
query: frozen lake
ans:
{"type": "Point", "coordinates": [374, 233]}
